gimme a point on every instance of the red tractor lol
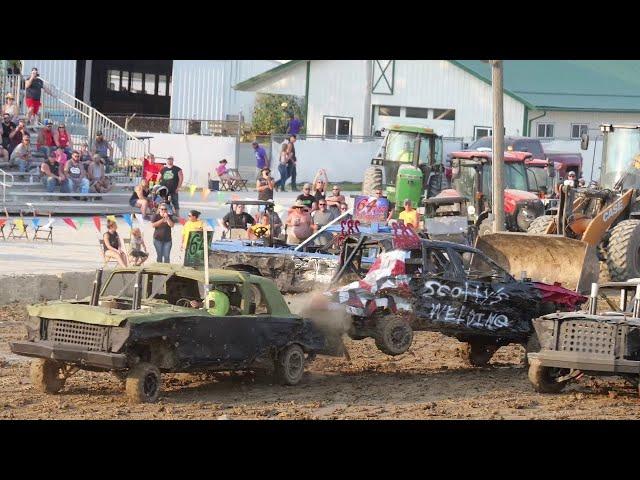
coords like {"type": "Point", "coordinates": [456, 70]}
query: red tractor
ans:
{"type": "Point", "coordinates": [471, 178]}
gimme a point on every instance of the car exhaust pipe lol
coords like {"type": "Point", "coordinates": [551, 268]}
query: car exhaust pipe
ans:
{"type": "Point", "coordinates": [137, 295]}
{"type": "Point", "coordinates": [636, 303]}
{"type": "Point", "coordinates": [593, 299]}
{"type": "Point", "coordinates": [97, 286]}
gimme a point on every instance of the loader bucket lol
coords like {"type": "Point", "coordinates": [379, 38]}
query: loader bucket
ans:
{"type": "Point", "coordinates": [544, 258]}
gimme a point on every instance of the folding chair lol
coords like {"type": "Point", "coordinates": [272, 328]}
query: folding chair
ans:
{"type": "Point", "coordinates": [44, 232]}
{"type": "Point", "coordinates": [22, 233]}
{"type": "Point", "coordinates": [2, 223]}
{"type": "Point", "coordinates": [105, 260]}
{"type": "Point", "coordinates": [238, 182]}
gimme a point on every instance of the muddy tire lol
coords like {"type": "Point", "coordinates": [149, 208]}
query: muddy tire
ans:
{"type": "Point", "coordinates": [372, 180]}
{"type": "Point", "coordinates": [623, 252]}
{"type": "Point", "coordinates": [478, 354]}
{"type": "Point", "coordinates": [290, 365]}
{"type": "Point", "coordinates": [393, 336]}
{"type": "Point", "coordinates": [46, 375]}
{"type": "Point", "coordinates": [143, 383]}
{"type": "Point", "coordinates": [543, 379]}
{"type": "Point", "coordinates": [540, 225]}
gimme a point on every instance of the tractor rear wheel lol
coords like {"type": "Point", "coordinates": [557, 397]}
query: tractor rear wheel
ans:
{"type": "Point", "coordinates": [372, 180]}
{"type": "Point", "coordinates": [623, 251]}
{"type": "Point", "coordinates": [540, 225]}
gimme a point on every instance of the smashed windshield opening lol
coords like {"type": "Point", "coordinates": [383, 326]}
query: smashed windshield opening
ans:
{"type": "Point", "coordinates": [120, 285]}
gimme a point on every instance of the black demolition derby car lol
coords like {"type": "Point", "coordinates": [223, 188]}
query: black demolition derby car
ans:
{"type": "Point", "coordinates": [449, 288]}
{"type": "Point", "coordinates": [148, 320]}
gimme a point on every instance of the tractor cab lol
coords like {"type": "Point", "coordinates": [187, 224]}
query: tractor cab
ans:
{"type": "Point", "coordinates": [408, 164]}
{"type": "Point", "coordinates": [472, 178]}
{"type": "Point", "coordinates": [621, 157]}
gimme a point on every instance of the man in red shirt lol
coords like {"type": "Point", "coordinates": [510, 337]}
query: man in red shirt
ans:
{"type": "Point", "coordinates": [45, 142]}
{"type": "Point", "coordinates": [151, 169]}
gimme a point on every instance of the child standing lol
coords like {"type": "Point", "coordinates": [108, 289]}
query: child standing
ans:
{"type": "Point", "coordinates": [138, 247]}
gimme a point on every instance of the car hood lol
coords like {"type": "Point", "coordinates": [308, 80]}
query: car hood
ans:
{"type": "Point", "coordinates": [112, 317]}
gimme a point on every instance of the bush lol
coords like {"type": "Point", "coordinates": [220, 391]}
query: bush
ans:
{"type": "Point", "coordinates": [271, 113]}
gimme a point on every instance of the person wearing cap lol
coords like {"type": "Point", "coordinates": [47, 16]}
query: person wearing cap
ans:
{"type": "Point", "coordinates": [102, 148]}
{"type": "Point", "coordinates": [238, 219]}
{"type": "Point", "coordinates": [261, 158]}
{"type": "Point", "coordinates": [299, 224]}
{"type": "Point", "coordinates": [193, 224]}
{"type": "Point", "coordinates": [582, 182]}
{"type": "Point", "coordinates": [45, 142]}
{"type": "Point", "coordinates": [172, 177]}
{"type": "Point", "coordinates": [570, 181]}
{"type": "Point", "coordinates": [21, 155]}
{"type": "Point", "coordinates": [7, 127]}
{"type": "Point", "coordinates": [305, 197]}
{"type": "Point", "coordinates": [265, 185]}
{"type": "Point", "coordinates": [98, 180]}
{"type": "Point", "coordinates": [11, 108]}
{"type": "Point", "coordinates": [410, 215]}
{"type": "Point", "coordinates": [63, 139]}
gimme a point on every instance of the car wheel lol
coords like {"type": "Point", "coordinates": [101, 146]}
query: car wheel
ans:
{"type": "Point", "coordinates": [531, 346]}
{"type": "Point", "coordinates": [393, 335]}
{"type": "Point", "coordinates": [47, 375]}
{"type": "Point", "coordinates": [545, 379]}
{"type": "Point", "coordinates": [143, 383]}
{"type": "Point", "coordinates": [290, 365]}
{"type": "Point", "coordinates": [478, 354]}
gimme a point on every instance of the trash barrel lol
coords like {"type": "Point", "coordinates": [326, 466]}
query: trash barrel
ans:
{"type": "Point", "coordinates": [214, 185]}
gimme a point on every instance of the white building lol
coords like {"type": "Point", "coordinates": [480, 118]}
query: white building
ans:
{"type": "Point", "coordinates": [178, 89]}
{"type": "Point", "coordinates": [551, 99]}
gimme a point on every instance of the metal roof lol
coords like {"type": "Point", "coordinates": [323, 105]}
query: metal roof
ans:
{"type": "Point", "coordinates": [574, 85]}
{"type": "Point", "coordinates": [588, 85]}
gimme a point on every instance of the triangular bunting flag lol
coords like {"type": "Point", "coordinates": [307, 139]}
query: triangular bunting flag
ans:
{"type": "Point", "coordinates": [35, 221]}
{"type": "Point", "coordinates": [192, 189]}
{"type": "Point", "coordinates": [2, 221]}
{"type": "Point", "coordinates": [140, 219]}
{"type": "Point", "coordinates": [128, 219]}
{"type": "Point", "coordinates": [111, 217]}
{"type": "Point", "coordinates": [235, 196]}
{"type": "Point", "coordinates": [69, 222]}
{"type": "Point", "coordinates": [205, 193]}
{"type": "Point", "coordinates": [49, 223]}
{"type": "Point", "coordinates": [80, 222]}
{"type": "Point", "coordinates": [96, 222]}
{"type": "Point", "coordinates": [20, 224]}
{"type": "Point", "coordinates": [220, 196]}
{"type": "Point", "coordinates": [211, 223]}
{"type": "Point", "coordinates": [182, 220]}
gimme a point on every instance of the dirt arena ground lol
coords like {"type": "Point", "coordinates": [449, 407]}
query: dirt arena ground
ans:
{"type": "Point", "coordinates": [431, 381]}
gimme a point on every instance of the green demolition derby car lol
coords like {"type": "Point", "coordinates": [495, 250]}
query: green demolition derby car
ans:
{"type": "Point", "coordinates": [148, 320]}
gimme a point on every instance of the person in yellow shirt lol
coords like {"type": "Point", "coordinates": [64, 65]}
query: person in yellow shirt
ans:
{"type": "Point", "coordinates": [410, 215]}
{"type": "Point", "coordinates": [193, 224]}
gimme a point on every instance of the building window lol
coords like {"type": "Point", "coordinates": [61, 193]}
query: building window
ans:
{"type": "Point", "coordinates": [386, 111]}
{"type": "Point", "coordinates": [136, 82]}
{"type": "Point", "coordinates": [444, 114]}
{"type": "Point", "coordinates": [480, 132]}
{"type": "Point", "coordinates": [417, 112]}
{"type": "Point", "coordinates": [337, 126]}
{"type": "Point", "coordinates": [113, 80]}
{"type": "Point", "coordinates": [149, 84]}
{"type": "Point", "coordinates": [162, 85]}
{"type": "Point", "coordinates": [545, 130]}
{"type": "Point", "coordinates": [124, 84]}
{"type": "Point", "coordinates": [578, 129]}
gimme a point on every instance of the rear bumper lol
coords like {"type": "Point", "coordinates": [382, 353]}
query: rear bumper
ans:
{"type": "Point", "coordinates": [70, 354]}
{"type": "Point", "coordinates": [592, 363]}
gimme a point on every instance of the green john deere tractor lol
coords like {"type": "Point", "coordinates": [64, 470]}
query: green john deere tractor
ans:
{"type": "Point", "coordinates": [409, 165]}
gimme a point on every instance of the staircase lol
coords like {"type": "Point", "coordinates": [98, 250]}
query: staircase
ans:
{"type": "Point", "coordinates": [19, 192]}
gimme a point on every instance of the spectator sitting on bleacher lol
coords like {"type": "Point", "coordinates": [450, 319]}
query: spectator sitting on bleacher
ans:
{"type": "Point", "coordinates": [63, 139]}
{"type": "Point", "coordinates": [102, 148]}
{"type": "Point", "coordinates": [85, 155]}
{"type": "Point", "coordinates": [45, 142]}
{"type": "Point", "coordinates": [62, 157]}
{"type": "Point", "coordinates": [99, 182]}
{"type": "Point", "coordinates": [7, 127]}
{"type": "Point", "coordinates": [53, 175]}
{"type": "Point", "coordinates": [76, 174]}
{"type": "Point", "coordinates": [139, 196]}
{"type": "Point", "coordinates": [21, 155]}
{"type": "Point", "coordinates": [15, 137]}
{"type": "Point", "coordinates": [10, 108]}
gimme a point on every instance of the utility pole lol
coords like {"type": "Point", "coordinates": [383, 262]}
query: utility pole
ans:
{"type": "Point", "coordinates": [498, 147]}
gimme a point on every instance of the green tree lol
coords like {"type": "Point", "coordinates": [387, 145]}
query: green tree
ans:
{"type": "Point", "coordinates": [271, 113]}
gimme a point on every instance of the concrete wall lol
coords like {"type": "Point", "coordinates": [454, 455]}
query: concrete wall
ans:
{"type": "Point", "coordinates": [37, 288]}
{"type": "Point", "coordinates": [197, 155]}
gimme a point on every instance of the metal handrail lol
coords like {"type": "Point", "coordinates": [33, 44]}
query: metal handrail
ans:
{"type": "Point", "coordinates": [4, 183]}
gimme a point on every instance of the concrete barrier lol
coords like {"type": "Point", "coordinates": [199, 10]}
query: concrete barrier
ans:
{"type": "Point", "coordinates": [38, 288]}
